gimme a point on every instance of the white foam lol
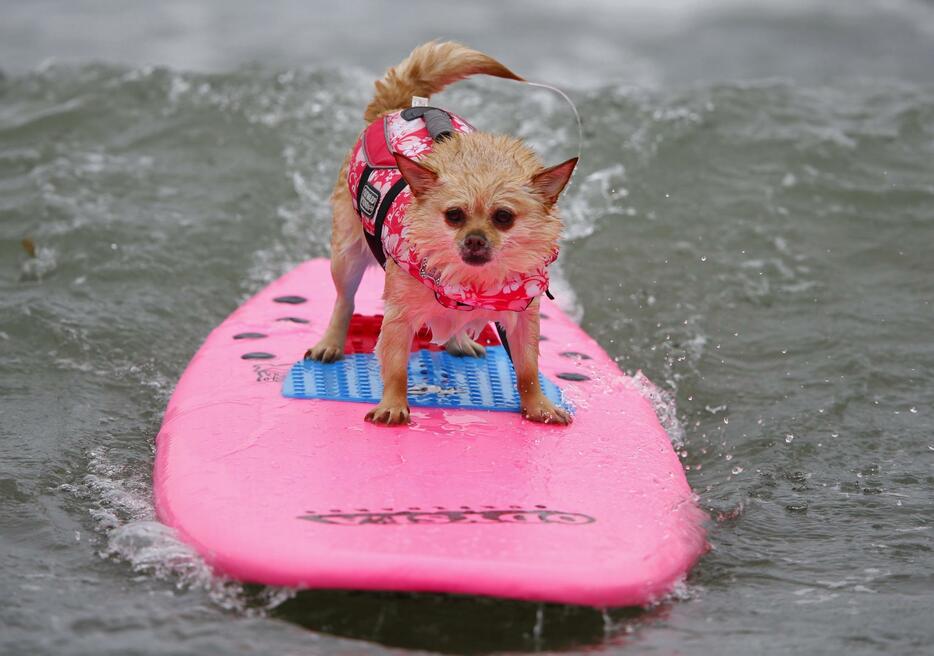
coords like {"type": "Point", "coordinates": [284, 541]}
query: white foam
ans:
{"type": "Point", "coordinates": [665, 407]}
{"type": "Point", "coordinates": [121, 506]}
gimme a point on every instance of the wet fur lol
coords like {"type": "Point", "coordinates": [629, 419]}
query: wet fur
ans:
{"type": "Point", "coordinates": [478, 173]}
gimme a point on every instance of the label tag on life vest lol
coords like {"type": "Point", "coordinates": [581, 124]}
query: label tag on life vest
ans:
{"type": "Point", "coordinates": [369, 199]}
{"type": "Point", "coordinates": [418, 101]}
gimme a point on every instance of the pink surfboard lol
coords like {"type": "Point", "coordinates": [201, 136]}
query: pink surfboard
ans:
{"type": "Point", "coordinates": [303, 493]}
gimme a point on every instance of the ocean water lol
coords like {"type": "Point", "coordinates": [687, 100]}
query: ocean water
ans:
{"type": "Point", "coordinates": [751, 226]}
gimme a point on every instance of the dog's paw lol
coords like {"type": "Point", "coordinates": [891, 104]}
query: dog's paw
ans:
{"type": "Point", "coordinates": [545, 412]}
{"type": "Point", "coordinates": [462, 345]}
{"type": "Point", "coordinates": [325, 351]}
{"type": "Point", "coordinates": [389, 414]}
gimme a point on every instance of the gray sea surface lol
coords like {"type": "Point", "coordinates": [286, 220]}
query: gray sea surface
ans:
{"type": "Point", "coordinates": [751, 226]}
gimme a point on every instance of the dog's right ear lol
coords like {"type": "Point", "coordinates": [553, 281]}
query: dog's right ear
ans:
{"type": "Point", "coordinates": [551, 181]}
{"type": "Point", "coordinates": [421, 179]}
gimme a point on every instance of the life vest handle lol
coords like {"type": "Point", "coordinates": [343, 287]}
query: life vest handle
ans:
{"type": "Point", "coordinates": [437, 121]}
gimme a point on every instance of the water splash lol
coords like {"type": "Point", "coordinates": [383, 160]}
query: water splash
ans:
{"type": "Point", "coordinates": [120, 501]}
{"type": "Point", "coordinates": [665, 407]}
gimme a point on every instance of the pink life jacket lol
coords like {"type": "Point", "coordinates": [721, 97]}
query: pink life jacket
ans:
{"type": "Point", "coordinates": [381, 197]}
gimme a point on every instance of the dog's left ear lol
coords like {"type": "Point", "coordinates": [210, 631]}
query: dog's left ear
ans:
{"type": "Point", "coordinates": [420, 178]}
{"type": "Point", "coordinates": [551, 181]}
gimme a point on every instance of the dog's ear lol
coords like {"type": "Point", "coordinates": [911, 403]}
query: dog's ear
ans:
{"type": "Point", "coordinates": [551, 181]}
{"type": "Point", "coordinates": [421, 179]}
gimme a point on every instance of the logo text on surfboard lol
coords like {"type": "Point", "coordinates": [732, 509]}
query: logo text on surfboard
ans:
{"type": "Point", "coordinates": [416, 516]}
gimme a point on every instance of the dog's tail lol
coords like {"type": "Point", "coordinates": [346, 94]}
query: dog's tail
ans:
{"type": "Point", "coordinates": [431, 67]}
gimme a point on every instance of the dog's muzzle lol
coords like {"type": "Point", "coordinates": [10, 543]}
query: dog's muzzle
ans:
{"type": "Point", "coordinates": [476, 249]}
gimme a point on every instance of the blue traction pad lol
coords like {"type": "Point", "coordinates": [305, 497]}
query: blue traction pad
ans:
{"type": "Point", "coordinates": [436, 380]}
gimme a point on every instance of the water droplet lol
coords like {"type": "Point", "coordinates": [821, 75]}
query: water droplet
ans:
{"type": "Point", "coordinates": [913, 410]}
{"type": "Point", "coordinates": [737, 470]}
{"type": "Point", "coordinates": [539, 623]}
{"type": "Point", "coordinates": [728, 457]}
{"type": "Point", "coordinates": [789, 438]}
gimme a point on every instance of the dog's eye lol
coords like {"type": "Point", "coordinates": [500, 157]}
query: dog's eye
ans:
{"type": "Point", "coordinates": [454, 215]}
{"type": "Point", "coordinates": [503, 217]}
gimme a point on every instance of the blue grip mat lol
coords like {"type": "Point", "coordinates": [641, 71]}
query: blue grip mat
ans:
{"type": "Point", "coordinates": [436, 379]}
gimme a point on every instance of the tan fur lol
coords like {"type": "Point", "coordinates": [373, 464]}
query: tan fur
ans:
{"type": "Point", "coordinates": [431, 67]}
{"type": "Point", "coordinates": [392, 350]}
{"type": "Point", "coordinates": [480, 174]}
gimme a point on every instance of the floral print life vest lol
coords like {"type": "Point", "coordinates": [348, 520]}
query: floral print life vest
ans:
{"type": "Point", "coordinates": [380, 195]}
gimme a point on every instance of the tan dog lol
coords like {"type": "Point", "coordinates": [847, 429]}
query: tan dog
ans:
{"type": "Point", "coordinates": [484, 206]}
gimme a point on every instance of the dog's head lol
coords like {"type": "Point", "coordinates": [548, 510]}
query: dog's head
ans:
{"type": "Point", "coordinates": [483, 207]}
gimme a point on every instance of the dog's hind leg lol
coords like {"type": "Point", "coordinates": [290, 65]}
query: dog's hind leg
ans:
{"type": "Point", "coordinates": [462, 345]}
{"type": "Point", "coordinates": [350, 257]}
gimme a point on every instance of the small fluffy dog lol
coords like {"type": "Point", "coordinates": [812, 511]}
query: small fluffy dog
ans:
{"type": "Point", "coordinates": [478, 220]}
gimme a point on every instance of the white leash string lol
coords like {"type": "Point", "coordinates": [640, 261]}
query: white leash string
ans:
{"type": "Point", "coordinates": [577, 116]}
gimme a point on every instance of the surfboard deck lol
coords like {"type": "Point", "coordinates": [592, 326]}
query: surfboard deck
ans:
{"type": "Point", "coordinates": [303, 493]}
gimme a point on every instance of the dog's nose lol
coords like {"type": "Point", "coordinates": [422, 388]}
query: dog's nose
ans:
{"type": "Point", "coordinates": [476, 242]}
{"type": "Point", "coordinates": [476, 249]}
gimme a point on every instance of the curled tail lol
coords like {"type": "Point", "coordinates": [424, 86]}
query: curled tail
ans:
{"type": "Point", "coordinates": [431, 67]}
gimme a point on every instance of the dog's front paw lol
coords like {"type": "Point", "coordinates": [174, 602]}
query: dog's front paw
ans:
{"type": "Point", "coordinates": [325, 351]}
{"type": "Point", "coordinates": [462, 345]}
{"type": "Point", "coordinates": [544, 411]}
{"type": "Point", "coordinates": [389, 413]}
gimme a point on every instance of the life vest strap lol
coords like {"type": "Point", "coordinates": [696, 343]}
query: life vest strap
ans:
{"type": "Point", "coordinates": [375, 241]}
{"type": "Point", "coordinates": [364, 178]}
